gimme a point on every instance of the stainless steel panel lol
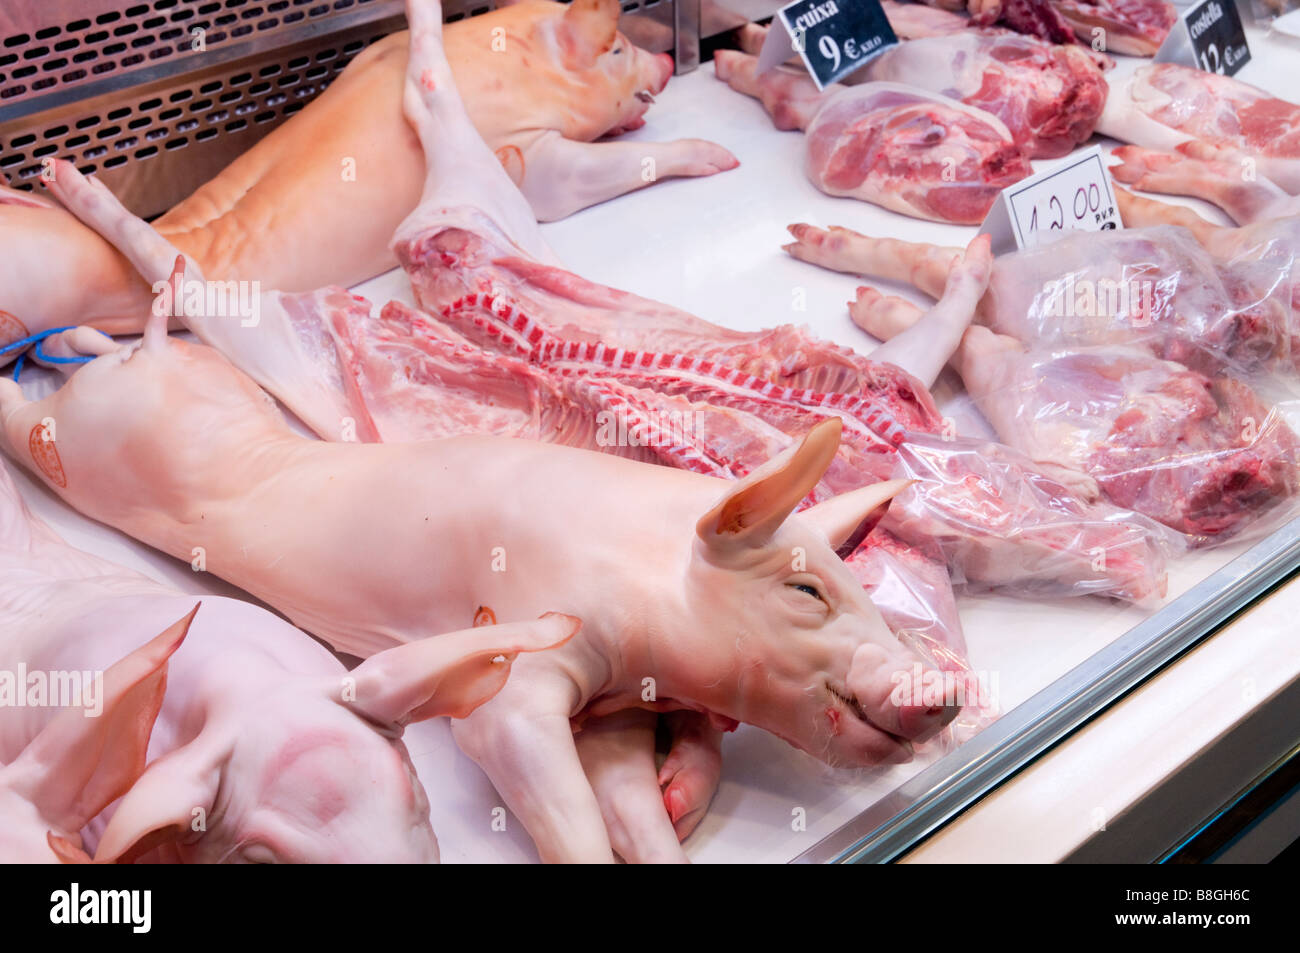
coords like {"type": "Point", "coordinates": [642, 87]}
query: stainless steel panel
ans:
{"type": "Point", "coordinates": [53, 47]}
{"type": "Point", "coordinates": [155, 142]}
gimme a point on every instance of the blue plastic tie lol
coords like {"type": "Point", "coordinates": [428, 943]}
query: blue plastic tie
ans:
{"type": "Point", "coordinates": [37, 339]}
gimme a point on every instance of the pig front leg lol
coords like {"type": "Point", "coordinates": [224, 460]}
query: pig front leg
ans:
{"type": "Point", "coordinates": [923, 266]}
{"type": "Point", "coordinates": [692, 771]}
{"type": "Point", "coordinates": [560, 176]}
{"type": "Point", "coordinates": [618, 755]}
{"type": "Point", "coordinates": [523, 741]}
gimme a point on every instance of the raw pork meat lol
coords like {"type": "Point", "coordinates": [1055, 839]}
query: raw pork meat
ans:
{"type": "Point", "coordinates": [1050, 97]}
{"type": "Point", "coordinates": [1164, 105]}
{"type": "Point", "coordinates": [1203, 456]}
{"type": "Point", "coordinates": [914, 152]}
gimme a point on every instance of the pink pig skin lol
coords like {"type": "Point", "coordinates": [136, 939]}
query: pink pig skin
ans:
{"type": "Point", "coordinates": [543, 82]}
{"type": "Point", "coordinates": [253, 730]}
{"type": "Point", "coordinates": [701, 584]}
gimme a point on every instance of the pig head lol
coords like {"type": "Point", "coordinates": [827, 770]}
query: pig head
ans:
{"type": "Point", "coordinates": [544, 65]}
{"type": "Point", "coordinates": [84, 758]}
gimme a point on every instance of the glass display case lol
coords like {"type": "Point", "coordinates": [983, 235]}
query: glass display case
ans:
{"type": "Point", "coordinates": [709, 246]}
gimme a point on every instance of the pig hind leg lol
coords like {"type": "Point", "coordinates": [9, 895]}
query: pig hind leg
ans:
{"type": "Point", "coordinates": [462, 173]}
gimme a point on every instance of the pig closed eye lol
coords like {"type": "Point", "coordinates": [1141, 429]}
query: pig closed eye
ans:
{"type": "Point", "coordinates": [805, 588]}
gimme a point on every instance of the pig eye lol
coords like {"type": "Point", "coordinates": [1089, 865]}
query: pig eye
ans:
{"type": "Point", "coordinates": [810, 590]}
{"type": "Point", "coordinates": [618, 50]}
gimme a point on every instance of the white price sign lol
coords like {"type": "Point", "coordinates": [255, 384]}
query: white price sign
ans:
{"type": "Point", "coordinates": [1074, 194]}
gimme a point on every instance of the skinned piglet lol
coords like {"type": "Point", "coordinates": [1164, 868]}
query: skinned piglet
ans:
{"type": "Point", "coordinates": [265, 748]}
{"type": "Point", "coordinates": [588, 524]}
{"type": "Point", "coordinates": [710, 589]}
{"type": "Point", "coordinates": [317, 199]}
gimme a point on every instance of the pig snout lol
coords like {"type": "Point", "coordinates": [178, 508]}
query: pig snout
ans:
{"type": "Point", "coordinates": [900, 694]}
{"type": "Point", "coordinates": [664, 63]}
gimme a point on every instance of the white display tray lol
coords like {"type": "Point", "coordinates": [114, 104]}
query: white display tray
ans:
{"type": "Point", "coordinates": [713, 247]}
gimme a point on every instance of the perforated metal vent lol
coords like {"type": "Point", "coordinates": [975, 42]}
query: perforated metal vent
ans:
{"type": "Point", "coordinates": [38, 54]}
{"type": "Point", "coordinates": [155, 147]}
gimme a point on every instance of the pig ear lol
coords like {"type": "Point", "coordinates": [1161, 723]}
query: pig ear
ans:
{"type": "Point", "coordinates": [756, 506]}
{"type": "Point", "coordinates": [449, 674]}
{"type": "Point", "coordinates": [587, 30]}
{"type": "Point", "coordinates": [67, 850]}
{"type": "Point", "coordinates": [847, 519]}
{"type": "Point", "coordinates": [161, 807]}
{"type": "Point", "coordinates": [84, 763]}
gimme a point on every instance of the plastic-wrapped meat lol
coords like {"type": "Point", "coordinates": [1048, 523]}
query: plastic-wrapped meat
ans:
{"type": "Point", "coordinates": [1054, 541]}
{"type": "Point", "coordinates": [1131, 27]}
{"type": "Point", "coordinates": [1050, 97]}
{"type": "Point", "coordinates": [913, 152]}
{"type": "Point", "coordinates": [1163, 105]}
{"type": "Point", "coordinates": [1156, 287]}
{"type": "Point", "coordinates": [1203, 456]}
{"type": "Point", "coordinates": [904, 149]}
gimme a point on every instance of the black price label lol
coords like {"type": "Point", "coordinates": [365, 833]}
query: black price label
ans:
{"type": "Point", "coordinates": [1218, 38]}
{"type": "Point", "coordinates": [835, 37]}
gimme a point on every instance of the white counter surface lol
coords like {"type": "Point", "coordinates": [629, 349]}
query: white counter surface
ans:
{"type": "Point", "coordinates": [712, 247]}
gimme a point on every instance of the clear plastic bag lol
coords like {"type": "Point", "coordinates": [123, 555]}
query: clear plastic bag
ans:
{"type": "Point", "coordinates": [1155, 288]}
{"type": "Point", "coordinates": [1202, 455]}
{"type": "Point", "coordinates": [1002, 521]}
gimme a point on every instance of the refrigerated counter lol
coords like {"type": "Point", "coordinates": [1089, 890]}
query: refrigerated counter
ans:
{"type": "Point", "coordinates": [1122, 732]}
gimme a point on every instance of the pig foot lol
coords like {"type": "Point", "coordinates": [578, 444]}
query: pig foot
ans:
{"type": "Point", "coordinates": [883, 316]}
{"type": "Point", "coordinates": [921, 265]}
{"type": "Point", "coordinates": [560, 176]}
{"type": "Point", "coordinates": [923, 349]}
{"type": "Point", "coordinates": [1228, 183]}
{"type": "Point", "coordinates": [790, 98]}
{"type": "Point", "coordinates": [618, 755]}
{"type": "Point", "coordinates": [690, 774]}
{"type": "Point", "coordinates": [1138, 211]}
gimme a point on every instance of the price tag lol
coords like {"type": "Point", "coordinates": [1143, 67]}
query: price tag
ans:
{"type": "Point", "coordinates": [833, 37]}
{"type": "Point", "coordinates": [1212, 38]}
{"type": "Point", "coordinates": [1075, 193]}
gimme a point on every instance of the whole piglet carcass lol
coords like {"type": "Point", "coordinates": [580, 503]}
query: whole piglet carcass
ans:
{"type": "Point", "coordinates": [265, 748]}
{"type": "Point", "coordinates": [317, 200]}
